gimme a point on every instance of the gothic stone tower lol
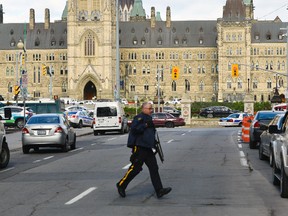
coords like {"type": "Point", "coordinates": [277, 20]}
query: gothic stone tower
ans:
{"type": "Point", "coordinates": [91, 48]}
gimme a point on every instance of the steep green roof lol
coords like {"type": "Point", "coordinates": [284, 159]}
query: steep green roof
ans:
{"type": "Point", "coordinates": [138, 9]}
{"type": "Point", "coordinates": [65, 12]}
{"type": "Point", "coordinates": [247, 2]}
{"type": "Point", "coordinates": [158, 16]}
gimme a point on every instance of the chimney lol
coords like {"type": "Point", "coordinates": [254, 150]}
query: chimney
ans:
{"type": "Point", "coordinates": [153, 17]}
{"type": "Point", "coordinates": [168, 17]}
{"type": "Point", "coordinates": [32, 19]}
{"type": "Point", "coordinates": [1, 14]}
{"type": "Point", "coordinates": [47, 19]}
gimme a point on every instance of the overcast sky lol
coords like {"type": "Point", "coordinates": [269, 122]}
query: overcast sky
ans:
{"type": "Point", "coordinates": [17, 11]}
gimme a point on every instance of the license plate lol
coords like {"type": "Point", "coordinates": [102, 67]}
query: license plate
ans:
{"type": "Point", "coordinates": [41, 132]}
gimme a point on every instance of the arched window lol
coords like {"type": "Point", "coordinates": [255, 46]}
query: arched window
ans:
{"type": "Point", "coordinates": [64, 86]}
{"type": "Point", "coordinates": [201, 85]}
{"type": "Point", "coordinates": [187, 86]}
{"type": "Point", "coordinates": [239, 83]}
{"type": "Point", "coordinates": [89, 45]}
{"type": "Point", "coordinates": [12, 71]}
{"type": "Point", "coordinates": [255, 84]}
{"type": "Point", "coordinates": [174, 86]}
{"type": "Point", "coordinates": [269, 84]}
{"type": "Point", "coordinates": [7, 71]}
{"type": "Point", "coordinates": [229, 83]}
{"type": "Point", "coordinates": [10, 88]}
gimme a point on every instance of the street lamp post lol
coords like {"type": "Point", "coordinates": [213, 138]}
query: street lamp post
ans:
{"type": "Point", "coordinates": [286, 93]}
{"type": "Point", "coordinates": [20, 45]}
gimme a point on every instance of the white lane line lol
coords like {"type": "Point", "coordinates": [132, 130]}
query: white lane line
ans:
{"type": "Point", "coordinates": [123, 135]}
{"type": "Point", "coordinates": [47, 158]}
{"type": "Point", "coordinates": [93, 144]}
{"type": "Point", "coordinates": [80, 196]}
{"type": "Point", "coordinates": [170, 141]}
{"type": "Point", "coordinates": [189, 131]}
{"type": "Point", "coordinates": [111, 139]}
{"type": "Point", "coordinates": [6, 170]}
{"type": "Point", "coordinates": [78, 149]}
{"type": "Point", "coordinates": [244, 162]}
{"type": "Point", "coordinates": [36, 161]}
{"type": "Point", "coordinates": [240, 145]}
{"type": "Point", "coordinates": [242, 155]}
{"type": "Point", "coordinates": [127, 166]}
{"type": "Point", "coordinates": [183, 134]}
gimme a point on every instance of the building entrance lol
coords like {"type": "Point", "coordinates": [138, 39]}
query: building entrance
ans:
{"type": "Point", "coordinates": [89, 91]}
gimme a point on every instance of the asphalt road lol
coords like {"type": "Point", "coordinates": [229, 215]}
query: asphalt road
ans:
{"type": "Point", "coordinates": [209, 170]}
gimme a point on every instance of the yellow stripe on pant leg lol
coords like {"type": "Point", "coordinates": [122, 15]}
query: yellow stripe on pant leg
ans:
{"type": "Point", "coordinates": [126, 175]}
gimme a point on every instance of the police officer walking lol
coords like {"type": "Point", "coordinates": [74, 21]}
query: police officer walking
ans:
{"type": "Point", "coordinates": [142, 141]}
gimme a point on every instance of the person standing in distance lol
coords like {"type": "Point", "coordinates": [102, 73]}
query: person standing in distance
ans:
{"type": "Point", "coordinates": [142, 141]}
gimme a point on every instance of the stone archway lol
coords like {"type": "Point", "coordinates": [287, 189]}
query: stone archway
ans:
{"type": "Point", "coordinates": [90, 91]}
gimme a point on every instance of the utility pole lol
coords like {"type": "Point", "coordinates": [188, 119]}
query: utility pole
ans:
{"type": "Point", "coordinates": [117, 95]}
{"type": "Point", "coordinates": [286, 93]}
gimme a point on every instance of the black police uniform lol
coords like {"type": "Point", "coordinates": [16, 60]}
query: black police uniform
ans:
{"type": "Point", "coordinates": [142, 140]}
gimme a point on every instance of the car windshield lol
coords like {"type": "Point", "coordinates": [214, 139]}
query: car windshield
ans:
{"type": "Point", "coordinates": [44, 120]}
{"type": "Point", "coordinates": [71, 113]}
{"type": "Point", "coordinates": [234, 115]}
{"type": "Point", "coordinates": [266, 116]}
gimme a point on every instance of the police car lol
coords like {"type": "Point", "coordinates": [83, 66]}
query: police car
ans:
{"type": "Point", "coordinates": [234, 119]}
{"type": "Point", "coordinates": [79, 118]}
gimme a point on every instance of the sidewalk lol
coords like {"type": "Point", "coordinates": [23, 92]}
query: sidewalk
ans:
{"type": "Point", "coordinates": [14, 138]}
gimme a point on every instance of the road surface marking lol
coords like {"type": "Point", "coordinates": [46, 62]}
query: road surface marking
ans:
{"type": "Point", "coordinates": [170, 141]}
{"type": "Point", "coordinates": [78, 149]}
{"type": "Point", "coordinates": [123, 135]}
{"type": "Point", "coordinates": [183, 134]}
{"type": "Point", "coordinates": [127, 166]}
{"type": "Point", "coordinates": [93, 144]}
{"type": "Point", "coordinates": [80, 196]}
{"type": "Point", "coordinates": [242, 155]}
{"type": "Point", "coordinates": [47, 158]}
{"type": "Point", "coordinates": [240, 145]}
{"type": "Point", "coordinates": [111, 139]}
{"type": "Point", "coordinates": [244, 162]}
{"type": "Point", "coordinates": [6, 170]}
{"type": "Point", "coordinates": [37, 161]}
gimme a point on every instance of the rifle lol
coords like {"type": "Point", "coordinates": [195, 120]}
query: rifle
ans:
{"type": "Point", "coordinates": [158, 147]}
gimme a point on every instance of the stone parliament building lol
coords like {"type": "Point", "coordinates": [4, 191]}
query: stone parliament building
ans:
{"type": "Point", "coordinates": [80, 50]}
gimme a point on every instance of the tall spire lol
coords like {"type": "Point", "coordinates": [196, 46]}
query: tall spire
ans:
{"type": "Point", "coordinates": [138, 12]}
{"type": "Point", "coordinates": [1, 14]}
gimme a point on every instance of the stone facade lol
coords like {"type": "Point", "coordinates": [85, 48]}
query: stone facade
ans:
{"type": "Point", "coordinates": [81, 51]}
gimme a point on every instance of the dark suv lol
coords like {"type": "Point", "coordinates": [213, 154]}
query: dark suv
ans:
{"type": "Point", "coordinates": [215, 111]}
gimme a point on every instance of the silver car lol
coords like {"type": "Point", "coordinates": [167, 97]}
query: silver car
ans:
{"type": "Point", "coordinates": [48, 130]}
{"type": "Point", "coordinates": [4, 149]}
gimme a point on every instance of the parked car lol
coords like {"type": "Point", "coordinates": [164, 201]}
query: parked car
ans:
{"type": "Point", "coordinates": [4, 149]}
{"type": "Point", "coordinates": [215, 111]}
{"type": "Point", "coordinates": [234, 119]}
{"type": "Point", "coordinates": [279, 156]}
{"type": "Point", "coordinates": [172, 111]}
{"type": "Point", "coordinates": [267, 139]}
{"type": "Point", "coordinates": [174, 101]}
{"type": "Point", "coordinates": [79, 119]}
{"type": "Point", "coordinates": [48, 130]}
{"type": "Point", "coordinates": [255, 130]}
{"type": "Point", "coordinates": [17, 118]}
{"type": "Point", "coordinates": [162, 119]}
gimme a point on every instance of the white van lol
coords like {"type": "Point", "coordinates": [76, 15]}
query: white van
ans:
{"type": "Point", "coordinates": [109, 116]}
{"type": "Point", "coordinates": [280, 107]}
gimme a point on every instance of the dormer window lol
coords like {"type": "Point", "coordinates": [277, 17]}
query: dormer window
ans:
{"type": "Point", "coordinates": [11, 32]}
{"type": "Point", "coordinates": [187, 30]}
{"type": "Point", "coordinates": [176, 41]}
{"type": "Point", "coordinates": [37, 42]}
{"type": "Point", "coordinates": [53, 42]}
{"type": "Point", "coordinates": [146, 30]}
{"type": "Point", "coordinates": [135, 41]}
{"type": "Point", "coordinates": [174, 30]}
{"type": "Point", "coordinates": [184, 41]}
{"type": "Point", "coordinates": [257, 37]}
{"type": "Point", "coordinates": [38, 31]}
{"type": "Point", "coordinates": [133, 30]}
{"type": "Point", "coordinates": [201, 41]}
{"type": "Point", "coordinates": [159, 42]}
{"type": "Point", "coordinates": [160, 30]}
{"type": "Point", "coordinates": [280, 36]}
{"type": "Point", "coordinates": [143, 41]}
{"type": "Point", "coordinates": [268, 36]}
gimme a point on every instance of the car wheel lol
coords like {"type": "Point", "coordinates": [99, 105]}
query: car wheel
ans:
{"type": "Point", "coordinates": [80, 125]}
{"type": "Point", "coordinates": [73, 145]}
{"type": "Point", "coordinates": [4, 156]}
{"type": "Point", "coordinates": [95, 133]}
{"type": "Point", "coordinates": [271, 158]}
{"type": "Point", "coordinates": [102, 132]}
{"type": "Point", "coordinates": [252, 144]}
{"type": "Point", "coordinates": [210, 115]}
{"type": "Point", "coordinates": [169, 124]}
{"type": "Point", "coordinates": [261, 156]}
{"type": "Point", "coordinates": [20, 123]}
{"type": "Point", "coordinates": [25, 149]}
{"type": "Point", "coordinates": [240, 124]}
{"type": "Point", "coordinates": [275, 171]}
{"type": "Point", "coordinates": [65, 148]}
{"type": "Point", "coordinates": [283, 183]}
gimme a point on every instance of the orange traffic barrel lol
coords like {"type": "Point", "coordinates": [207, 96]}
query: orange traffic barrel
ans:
{"type": "Point", "coordinates": [246, 128]}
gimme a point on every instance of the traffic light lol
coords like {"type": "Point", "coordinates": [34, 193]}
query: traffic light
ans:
{"type": "Point", "coordinates": [44, 70]}
{"type": "Point", "coordinates": [235, 70]}
{"type": "Point", "coordinates": [16, 90]}
{"type": "Point", "coordinates": [175, 73]}
{"type": "Point", "coordinates": [23, 59]}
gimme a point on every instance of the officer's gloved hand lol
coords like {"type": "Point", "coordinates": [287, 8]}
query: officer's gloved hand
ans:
{"type": "Point", "coordinates": [150, 124]}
